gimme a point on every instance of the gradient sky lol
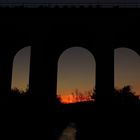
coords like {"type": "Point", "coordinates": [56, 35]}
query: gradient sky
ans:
{"type": "Point", "coordinates": [127, 69]}
{"type": "Point", "coordinates": [76, 70]}
{"type": "Point", "coordinates": [21, 65]}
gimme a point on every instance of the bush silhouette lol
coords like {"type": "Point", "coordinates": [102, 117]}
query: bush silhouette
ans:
{"type": "Point", "coordinates": [86, 122]}
{"type": "Point", "coordinates": [125, 95]}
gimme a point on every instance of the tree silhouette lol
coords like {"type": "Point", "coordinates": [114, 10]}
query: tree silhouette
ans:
{"type": "Point", "coordinates": [15, 91]}
{"type": "Point", "coordinates": [93, 94]}
{"type": "Point", "coordinates": [77, 96]}
{"type": "Point", "coordinates": [19, 92]}
{"type": "Point", "coordinates": [125, 95]}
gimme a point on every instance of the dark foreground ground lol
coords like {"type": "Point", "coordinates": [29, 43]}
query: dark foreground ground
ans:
{"type": "Point", "coordinates": [33, 119]}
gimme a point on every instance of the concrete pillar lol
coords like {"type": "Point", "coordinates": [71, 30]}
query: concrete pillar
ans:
{"type": "Point", "coordinates": [6, 62]}
{"type": "Point", "coordinates": [43, 74]}
{"type": "Point", "coordinates": [105, 75]}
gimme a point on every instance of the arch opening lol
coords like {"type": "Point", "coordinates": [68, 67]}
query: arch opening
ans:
{"type": "Point", "coordinates": [76, 76]}
{"type": "Point", "coordinates": [21, 70]}
{"type": "Point", "coordinates": [126, 70]}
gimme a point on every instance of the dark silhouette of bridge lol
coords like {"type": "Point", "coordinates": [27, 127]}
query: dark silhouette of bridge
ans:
{"type": "Point", "coordinates": [49, 32]}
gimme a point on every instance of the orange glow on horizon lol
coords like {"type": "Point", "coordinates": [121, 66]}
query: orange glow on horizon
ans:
{"type": "Point", "coordinates": [67, 99]}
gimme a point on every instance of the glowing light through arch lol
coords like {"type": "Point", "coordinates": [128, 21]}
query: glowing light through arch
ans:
{"type": "Point", "coordinates": [21, 68]}
{"type": "Point", "coordinates": [127, 69]}
{"type": "Point", "coordinates": [76, 75]}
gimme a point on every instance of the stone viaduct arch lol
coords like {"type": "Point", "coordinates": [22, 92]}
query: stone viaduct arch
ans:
{"type": "Point", "coordinates": [51, 37]}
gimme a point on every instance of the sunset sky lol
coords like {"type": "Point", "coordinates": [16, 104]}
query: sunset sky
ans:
{"type": "Point", "coordinates": [21, 64]}
{"type": "Point", "coordinates": [76, 70]}
{"type": "Point", "coordinates": [127, 69]}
